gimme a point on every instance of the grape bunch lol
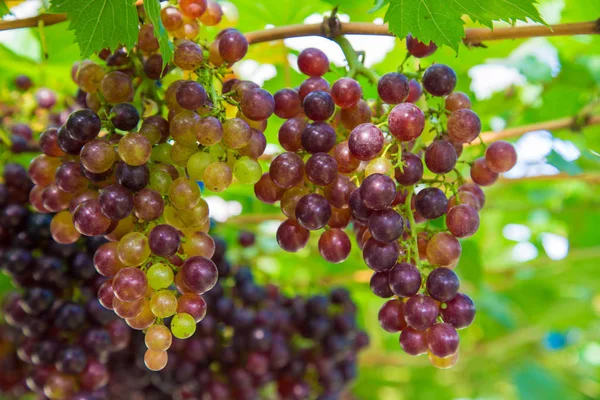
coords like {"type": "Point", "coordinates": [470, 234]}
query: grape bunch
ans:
{"type": "Point", "coordinates": [387, 166]}
{"type": "Point", "coordinates": [64, 334]}
{"type": "Point", "coordinates": [135, 177]}
{"type": "Point", "coordinates": [254, 338]}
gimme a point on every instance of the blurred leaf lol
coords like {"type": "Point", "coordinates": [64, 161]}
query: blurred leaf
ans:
{"type": "Point", "coordinates": [535, 382]}
{"type": "Point", "coordinates": [563, 165]}
{"type": "Point", "coordinates": [471, 267]}
{"type": "Point", "coordinates": [100, 24]}
{"type": "Point", "coordinates": [379, 4]}
{"type": "Point", "coordinates": [152, 8]}
{"type": "Point", "coordinates": [4, 9]}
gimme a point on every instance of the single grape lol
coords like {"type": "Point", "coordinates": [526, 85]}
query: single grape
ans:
{"type": "Point", "coordinates": [199, 274]}
{"type": "Point", "coordinates": [321, 169]}
{"type": "Point", "coordinates": [358, 208]}
{"type": "Point", "coordinates": [287, 170]}
{"type": "Point", "coordinates": [312, 84]}
{"type": "Point", "coordinates": [144, 319]}
{"type": "Point", "coordinates": [464, 126]}
{"type": "Point", "coordinates": [163, 304]}
{"type": "Point", "coordinates": [130, 284]}
{"type": "Point", "coordinates": [124, 116]}
{"type": "Point", "coordinates": [171, 18]}
{"type": "Point", "coordinates": [393, 88]}
{"type": "Point", "coordinates": [213, 14]}
{"type": "Point", "coordinates": [97, 156]}
{"type": "Point", "coordinates": [267, 191]}
{"type": "Point", "coordinates": [188, 56]}
{"type": "Point", "coordinates": [481, 174]}
{"type": "Point", "coordinates": [411, 171]}
{"type": "Point", "coordinates": [456, 101]}
{"type": "Point", "coordinates": [419, 49]}
{"type": "Point", "coordinates": [233, 45]}
{"type": "Point", "coordinates": [62, 228]}
{"type": "Point", "coordinates": [415, 91]}
{"type": "Point", "coordinates": [318, 105]}
{"type": "Point", "coordinates": [338, 192]}
{"type": "Point", "coordinates": [236, 133]}
{"type": "Point", "coordinates": [318, 137]}
{"type": "Point", "coordinates": [257, 104]}
{"type": "Point", "coordinates": [365, 142]}
{"type": "Point", "coordinates": [442, 284]}
{"type": "Point", "coordinates": [106, 260]}
{"type": "Point", "coordinates": [391, 316]}
{"type": "Point", "coordinates": [413, 342]}
{"type": "Point", "coordinates": [443, 249]}
{"type": "Point", "coordinates": [217, 176]}
{"type": "Point", "coordinates": [116, 202]}
{"type": "Point", "coordinates": [431, 203]}
{"type": "Point", "coordinates": [380, 285]}
{"type": "Point", "coordinates": [132, 177]}
{"type": "Point", "coordinates": [406, 122]}
{"type": "Point", "coordinates": [183, 325]}
{"type": "Point", "coordinates": [386, 225]}
{"type": "Point", "coordinates": [440, 157]}
{"type": "Point", "coordinates": [459, 312]}
{"type": "Point", "coordinates": [116, 87]}
{"type": "Point", "coordinates": [405, 280]}
{"type": "Point", "coordinates": [500, 156]}
{"type": "Point", "coordinates": [69, 178]}
{"type": "Point", "coordinates": [133, 249]}
{"type": "Point", "coordinates": [313, 211]}
{"type": "Point", "coordinates": [164, 240]}
{"type": "Point", "coordinates": [378, 165]}
{"type": "Point", "coordinates": [127, 309]}
{"type": "Point", "coordinates": [462, 220]}
{"type": "Point", "coordinates": [380, 256]}
{"type": "Point", "coordinates": [158, 337]}
{"type": "Point", "coordinates": [354, 116]}
{"type": "Point", "coordinates": [439, 80]}
{"type": "Point", "coordinates": [313, 62]}
{"type": "Point", "coordinates": [89, 220]}
{"type": "Point", "coordinates": [334, 245]}
{"type": "Point", "coordinates": [291, 236]}
{"type": "Point", "coordinates": [442, 340]}
{"type": "Point", "coordinates": [475, 190]}
{"type": "Point", "coordinates": [290, 133]}
{"type": "Point", "coordinates": [83, 125]}
{"type": "Point", "coordinates": [346, 162]}
{"type": "Point", "coordinates": [420, 312]}
{"type": "Point", "coordinates": [184, 193]}
{"type": "Point", "coordinates": [49, 143]}
{"type": "Point", "coordinates": [346, 92]}
{"type": "Point", "coordinates": [378, 191]}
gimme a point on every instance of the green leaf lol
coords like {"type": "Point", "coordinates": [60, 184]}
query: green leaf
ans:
{"type": "Point", "coordinates": [152, 8]}
{"type": "Point", "coordinates": [4, 9]}
{"type": "Point", "coordinates": [563, 165]}
{"type": "Point", "coordinates": [441, 21]}
{"type": "Point", "coordinates": [100, 24]}
{"type": "Point", "coordinates": [379, 4]}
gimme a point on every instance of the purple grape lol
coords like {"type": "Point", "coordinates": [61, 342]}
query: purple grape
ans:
{"type": "Point", "coordinates": [439, 80]}
{"type": "Point", "coordinates": [431, 203]}
{"type": "Point", "coordinates": [391, 316]}
{"type": "Point", "coordinates": [440, 157]}
{"type": "Point", "coordinates": [378, 191]}
{"type": "Point", "coordinates": [380, 256]}
{"type": "Point", "coordinates": [393, 88]}
{"type": "Point", "coordinates": [413, 342]}
{"type": "Point", "coordinates": [442, 284]}
{"type": "Point", "coordinates": [313, 211]}
{"type": "Point", "coordinates": [420, 312]}
{"type": "Point", "coordinates": [459, 312]}
{"type": "Point", "coordinates": [442, 340]}
{"type": "Point", "coordinates": [380, 284]}
{"type": "Point", "coordinates": [116, 202]}
{"type": "Point", "coordinates": [318, 106]}
{"type": "Point", "coordinates": [412, 170]}
{"type": "Point", "coordinates": [164, 240]}
{"type": "Point", "coordinates": [318, 137]}
{"type": "Point", "coordinates": [405, 280]}
{"type": "Point", "coordinates": [386, 225]}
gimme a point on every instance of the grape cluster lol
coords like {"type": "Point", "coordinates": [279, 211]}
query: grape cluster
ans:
{"type": "Point", "coordinates": [388, 166]}
{"type": "Point", "coordinates": [65, 335]}
{"type": "Point", "coordinates": [134, 178]}
{"type": "Point", "coordinates": [254, 338]}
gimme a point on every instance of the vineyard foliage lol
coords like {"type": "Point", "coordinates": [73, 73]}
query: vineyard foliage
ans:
{"type": "Point", "coordinates": [532, 268]}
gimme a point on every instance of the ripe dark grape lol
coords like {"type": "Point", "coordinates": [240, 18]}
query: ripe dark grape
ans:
{"type": "Point", "coordinates": [164, 240]}
{"type": "Point", "coordinates": [393, 88]}
{"type": "Point", "coordinates": [500, 156]}
{"type": "Point", "coordinates": [413, 342]}
{"type": "Point", "coordinates": [313, 62]}
{"type": "Point", "coordinates": [132, 177]}
{"type": "Point", "coordinates": [442, 284]}
{"type": "Point", "coordinates": [464, 126]}
{"type": "Point", "coordinates": [116, 202]}
{"type": "Point", "coordinates": [358, 208]}
{"type": "Point", "coordinates": [439, 80]}
{"type": "Point", "coordinates": [287, 170]}
{"type": "Point", "coordinates": [334, 245]}
{"type": "Point", "coordinates": [83, 125]}
{"type": "Point", "coordinates": [411, 171]}
{"type": "Point", "coordinates": [440, 157]}
{"type": "Point", "coordinates": [462, 220]}
{"type": "Point", "coordinates": [386, 225]}
{"type": "Point", "coordinates": [365, 142]}
{"type": "Point", "coordinates": [49, 143]}
{"type": "Point", "coordinates": [267, 191]}
{"type": "Point", "coordinates": [318, 137]}
{"type": "Point", "coordinates": [312, 84]}
{"type": "Point", "coordinates": [313, 211]}
{"type": "Point", "coordinates": [442, 340]}
{"type": "Point", "coordinates": [420, 312]}
{"type": "Point", "coordinates": [459, 312]}
{"type": "Point", "coordinates": [257, 104]}
{"type": "Point", "coordinates": [431, 203]}
{"type": "Point", "coordinates": [191, 95]}
{"type": "Point", "coordinates": [391, 316]}
{"type": "Point", "coordinates": [415, 91]}
{"type": "Point", "coordinates": [321, 169]}
{"type": "Point", "coordinates": [405, 280]}
{"type": "Point", "coordinates": [287, 103]}
{"type": "Point", "coordinates": [290, 133]}
{"type": "Point", "coordinates": [380, 284]}
{"type": "Point", "coordinates": [232, 45]}
{"type": "Point", "coordinates": [380, 256]}
{"type": "Point", "coordinates": [406, 122]}
{"type": "Point", "coordinates": [475, 190]}
{"type": "Point", "coordinates": [346, 92]}
{"type": "Point", "coordinates": [291, 236]}
{"type": "Point", "coordinates": [419, 49]}
{"type": "Point", "coordinates": [124, 116]}
{"type": "Point", "coordinates": [318, 105]}
{"type": "Point", "coordinates": [346, 162]}
{"type": "Point", "coordinates": [482, 174]}
{"type": "Point", "coordinates": [377, 191]}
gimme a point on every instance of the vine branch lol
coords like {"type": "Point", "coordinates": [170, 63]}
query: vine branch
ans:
{"type": "Point", "coordinates": [473, 36]}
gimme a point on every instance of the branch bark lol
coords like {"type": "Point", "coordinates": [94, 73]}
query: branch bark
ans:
{"type": "Point", "coordinates": [473, 36]}
{"type": "Point", "coordinates": [48, 19]}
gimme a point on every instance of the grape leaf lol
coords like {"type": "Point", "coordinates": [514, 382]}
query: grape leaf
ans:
{"type": "Point", "coordinates": [152, 8]}
{"type": "Point", "coordinates": [441, 21]}
{"type": "Point", "coordinates": [100, 24]}
{"type": "Point", "coordinates": [4, 9]}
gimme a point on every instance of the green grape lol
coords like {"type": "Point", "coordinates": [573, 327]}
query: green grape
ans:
{"type": "Point", "coordinates": [247, 170]}
{"type": "Point", "coordinates": [236, 133]}
{"type": "Point", "coordinates": [163, 304]}
{"type": "Point", "coordinates": [62, 228]}
{"type": "Point", "coordinates": [184, 126]}
{"type": "Point", "coordinates": [160, 276]}
{"type": "Point", "coordinates": [158, 337]}
{"type": "Point", "coordinates": [162, 153]}
{"type": "Point", "coordinates": [173, 218]}
{"type": "Point", "coordinates": [116, 87]}
{"type": "Point", "coordinates": [89, 77]}
{"type": "Point", "coordinates": [133, 249]}
{"type": "Point", "coordinates": [198, 163]}
{"type": "Point", "coordinates": [134, 149]}
{"type": "Point", "coordinates": [217, 176]}
{"type": "Point", "coordinates": [183, 325]}
{"type": "Point", "coordinates": [195, 217]}
{"type": "Point", "coordinates": [217, 150]}
{"type": "Point", "coordinates": [160, 181]}
{"type": "Point", "coordinates": [97, 156]}
{"type": "Point", "coordinates": [378, 165]}
{"type": "Point", "coordinates": [184, 193]}
{"type": "Point", "coordinates": [180, 153]}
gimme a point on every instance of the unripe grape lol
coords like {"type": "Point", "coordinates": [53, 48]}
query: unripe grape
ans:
{"type": "Point", "coordinates": [183, 325]}
{"type": "Point", "coordinates": [247, 171]}
{"type": "Point", "coordinates": [217, 176]}
{"type": "Point", "coordinates": [443, 249]}
{"type": "Point", "coordinates": [184, 193]}
{"type": "Point", "coordinates": [133, 249]}
{"type": "Point", "coordinates": [163, 304]}
{"type": "Point", "coordinates": [158, 337]}
{"type": "Point", "coordinates": [134, 149]}
{"type": "Point", "coordinates": [116, 87]}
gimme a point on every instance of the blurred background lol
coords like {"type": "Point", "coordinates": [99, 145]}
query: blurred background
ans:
{"type": "Point", "coordinates": [533, 266]}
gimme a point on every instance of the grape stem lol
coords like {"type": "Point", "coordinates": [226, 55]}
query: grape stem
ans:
{"type": "Point", "coordinates": [355, 66]}
{"type": "Point", "coordinates": [413, 227]}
